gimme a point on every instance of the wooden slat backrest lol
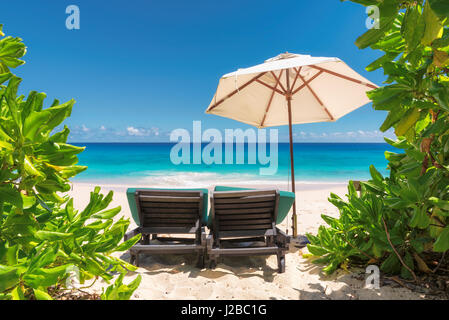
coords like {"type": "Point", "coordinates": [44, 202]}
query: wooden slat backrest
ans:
{"type": "Point", "coordinates": [243, 213]}
{"type": "Point", "coordinates": [169, 208]}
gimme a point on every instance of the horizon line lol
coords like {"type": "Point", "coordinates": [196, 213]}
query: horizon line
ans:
{"type": "Point", "coordinates": [161, 142]}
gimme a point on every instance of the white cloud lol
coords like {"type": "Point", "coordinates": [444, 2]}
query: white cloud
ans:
{"type": "Point", "coordinates": [142, 132]}
{"type": "Point", "coordinates": [351, 134]}
{"type": "Point", "coordinates": [135, 132]}
{"type": "Point", "coordinates": [348, 136]}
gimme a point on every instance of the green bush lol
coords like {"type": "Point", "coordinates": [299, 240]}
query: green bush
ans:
{"type": "Point", "coordinates": [396, 219]}
{"type": "Point", "coordinates": [42, 236]}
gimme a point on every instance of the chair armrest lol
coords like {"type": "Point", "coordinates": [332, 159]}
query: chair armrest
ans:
{"type": "Point", "coordinates": [282, 238]}
{"type": "Point", "coordinates": [131, 234]}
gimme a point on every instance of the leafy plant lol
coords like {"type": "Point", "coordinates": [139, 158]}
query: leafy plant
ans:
{"type": "Point", "coordinates": [120, 291]}
{"type": "Point", "coordinates": [42, 236]}
{"type": "Point", "coordinates": [396, 219]}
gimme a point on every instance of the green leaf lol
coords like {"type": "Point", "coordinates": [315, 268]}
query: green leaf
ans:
{"type": "Point", "coordinates": [409, 120]}
{"type": "Point", "coordinates": [442, 204]}
{"type": "Point", "coordinates": [6, 145]}
{"type": "Point", "coordinates": [389, 97]}
{"type": "Point", "coordinates": [440, 7]}
{"type": "Point", "coordinates": [388, 57]}
{"type": "Point", "coordinates": [442, 243]}
{"type": "Point", "coordinates": [434, 27]}
{"type": "Point", "coordinates": [17, 294]}
{"type": "Point", "coordinates": [393, 117]}
{"type": "Point", "coordinates": [30, 169]}
{"type": "Point", "coordinates": [46, 277]}
{"type": "Point", "coordinates": [317, 250]}
{"type": "Point", "coordinates": [11, 254]}
{"type": "Point", "coordinates": [120, 291]}
{"type": "Point", "coordinates": [34, 102]}
{"type": "Point", "coordinates": [9, 277]}
{"type": "Point", "coordinates": [70, 212]}
{"type": "Point", "coordinates": [43, 122]}
{"type": "Point", "coordinates": [441, 93]}
{"type": "Point", "coordinates": [28, 201]}
{"type": "Point", "coordinates": [42, 258]}
{"type": "Point", "coordinates": [19, 225]}
{"type": "Point", "coordinates": [128, 243]}
{"type": "Point", "coordinates": [11, 195]}
{"type": "Point", "coordinates": [413, 28]}
{"type": "Point", "coordinates": [331, 267]}
{"type": "Point", "coordinates": [10, 95]}
{"type": "Point", "coordinates": [391, 264]}
{"type": "Point", "coordinates": [375, 174]}
{"type": "Point", "coordinates": [61, 136]}
{"type": "Point", "coordinates": [5, 77]}
{"type": "Point", "coordinates": [420, 218]}
{"type": "Point", "coordinates": [408, 259]}
{"type": "Point", "coordinates": [52, 235]}
{"type": "Point", "coordinates": [107, 214]}
{"type": "Point", "coordinates": [11, 50]}
{"type": "Point", "coordinates": [365, 2]}
{"type": "Point", "coordinates": [41, 295]}
{"type": "Point", "coordinates": [388, 10]}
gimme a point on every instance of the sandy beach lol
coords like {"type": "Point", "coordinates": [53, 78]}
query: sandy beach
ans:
{"type": "Point", "coordinates": [175, 276]}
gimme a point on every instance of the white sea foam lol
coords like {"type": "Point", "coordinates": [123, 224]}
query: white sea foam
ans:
{"type": "Point", "coordinates": [186, 179]}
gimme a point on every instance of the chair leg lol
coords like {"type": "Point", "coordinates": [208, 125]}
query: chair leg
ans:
{"type": "Point", "coordinates": [213, 262]}
{"type": "Point", "coordinates": [146, 239]}
{"type": "Point", "coordinates": [281, 262]}
{"type": "Point", "coordinates": [200, 260]}
{"type": "Point", "coordinates": [137, 260]}
{"type": "Point", "coordinates": [132, 259]}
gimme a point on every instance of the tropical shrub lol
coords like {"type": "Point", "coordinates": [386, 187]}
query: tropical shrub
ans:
{"type": "Point", "coordinates": [42, 237]}
{"type": "Point", "coordinates": [396, 220]}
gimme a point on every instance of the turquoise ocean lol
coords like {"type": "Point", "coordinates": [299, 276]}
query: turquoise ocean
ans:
{"type": "Point", "coordinates": [150, 164]}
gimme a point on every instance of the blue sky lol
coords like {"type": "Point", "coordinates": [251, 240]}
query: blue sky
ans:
{"type": "Point", "coordinates": [139, 69]}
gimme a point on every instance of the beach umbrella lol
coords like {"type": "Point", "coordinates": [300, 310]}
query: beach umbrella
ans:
{"type": "Point", "coordinates": [290, 89]}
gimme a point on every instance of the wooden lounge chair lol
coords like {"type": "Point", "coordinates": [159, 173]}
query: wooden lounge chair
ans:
{"type": "Point", "coordinates": [245, 216]}
{"type": "Point", "coordinates": [170, 212]}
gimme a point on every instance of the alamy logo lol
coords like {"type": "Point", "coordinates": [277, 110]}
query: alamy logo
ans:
{"type": "Point", "coordinates": [373, 279]}
{"type": "Point", "coordinates": [212, 153]}
{"type": "Point", "coordinates": [373, 20]}
{"type": "Point", "coordinates": [73, 20]}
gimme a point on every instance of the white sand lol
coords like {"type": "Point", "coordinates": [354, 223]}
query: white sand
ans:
{"type": "Point", "coordinates": [175, 276]}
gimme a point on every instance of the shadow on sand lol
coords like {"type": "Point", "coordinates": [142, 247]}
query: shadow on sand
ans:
{"type": "Point", "coordinates": [243, 267]}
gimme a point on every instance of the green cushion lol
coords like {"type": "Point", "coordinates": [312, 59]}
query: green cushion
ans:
{"type": "Point", "coordinates": [133, 207]}
{"type": "Point", "coordinates": [286, 200]}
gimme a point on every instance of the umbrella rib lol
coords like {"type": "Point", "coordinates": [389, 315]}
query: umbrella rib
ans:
{"type": "Point", "coordinates": [306, 82]}
{"type": "Point", "coordinates": [317, 98]}
{"type": "Point", "coordinates": [278, 81]}
{"type": "Point", "coordinates": [271, 87]}
{"type": "Point", "coordinates": [296, 78]}
{"type": "Point", "coordinates": [345, 77]}
{"type": "Point", "coordinates": [237, 90]}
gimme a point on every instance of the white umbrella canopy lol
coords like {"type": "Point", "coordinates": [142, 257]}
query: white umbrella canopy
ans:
{"type": "Point", "coordinates": [290, 89]}
{"type": "Point", "coordinates": [322, 89]}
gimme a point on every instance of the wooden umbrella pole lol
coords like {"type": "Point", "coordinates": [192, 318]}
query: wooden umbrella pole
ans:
{"type": "Point", "coordinates": [294, 219]}
{"type": "Point", "coordinates": [289, 102]}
